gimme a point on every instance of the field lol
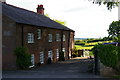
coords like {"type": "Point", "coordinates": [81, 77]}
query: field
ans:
{"type": "Point", "coordinates": [84, 44]}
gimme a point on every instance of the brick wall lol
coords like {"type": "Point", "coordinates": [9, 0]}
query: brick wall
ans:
{"type": "Point", "coordinates": [8, 43]}
{"type": "Point", "coordinates": [12, 38]}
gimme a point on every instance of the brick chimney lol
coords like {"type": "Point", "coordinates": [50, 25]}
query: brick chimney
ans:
{"type": "Point", "coordinates": [40, 9]}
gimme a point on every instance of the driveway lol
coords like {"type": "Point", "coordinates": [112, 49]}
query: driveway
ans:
{"type": "Point", "coordinates": [73, 68]}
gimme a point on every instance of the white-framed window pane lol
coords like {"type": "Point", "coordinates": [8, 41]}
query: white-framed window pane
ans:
{"type": "Point", "coordinates": [39, 33]}
{"type": "Point", "coordinates": [57, 53]}
{"type": "Point", "coordinates": [63, 37]}
{"type": "Point", "coordinates": [57, 37]}
{"type": "Point", "coordinates": [50, 55]}
{"type": "Point", "coordinates": [32, 61]}
{"type": "Point", "coordinates": [30, 37]}
{"type": "Point", "coordinates": [49, 37]}
{"type": "Point", "coordinates": [42, 57]}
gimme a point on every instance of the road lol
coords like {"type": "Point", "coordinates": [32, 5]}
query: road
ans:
{"type": "Point", "coordinates": [73, 68]}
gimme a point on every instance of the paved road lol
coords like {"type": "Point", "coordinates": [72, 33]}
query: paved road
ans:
{"type": "Point", "coordinates": [74, 68]}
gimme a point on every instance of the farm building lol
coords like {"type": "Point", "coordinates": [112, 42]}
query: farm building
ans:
{"type": "Point", "coordinates": [42, 36]}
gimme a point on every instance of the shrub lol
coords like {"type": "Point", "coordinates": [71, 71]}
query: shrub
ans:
{"type": "Point", "coordinates": [23, 60]}
{"type": "Point", "coordinates": [107, 54]}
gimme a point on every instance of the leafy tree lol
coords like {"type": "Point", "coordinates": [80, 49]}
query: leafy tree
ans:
{"type": "Point", "coordinates": [109, 4]}
{"type": "Point", "coordinates": [114, 29]}
{"type": "Point", "coordinates": [56, 20]}
{"type": "Point", "coordinates": [61, 22]}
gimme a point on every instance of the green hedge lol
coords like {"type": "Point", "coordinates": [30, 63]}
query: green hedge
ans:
{"type": "Point", "coordinates": [23, 60]}
{"type": "Point", "coordinates": [108, 55]}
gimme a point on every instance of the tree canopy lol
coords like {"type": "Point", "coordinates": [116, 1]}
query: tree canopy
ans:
{"type": "Point", "coordinates": [109, 3]}
{"type": "Point", "coordinates": [56, 20]}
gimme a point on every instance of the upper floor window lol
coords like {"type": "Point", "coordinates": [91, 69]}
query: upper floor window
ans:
{"type": "Point", "coordinates": [57, 37]}
{"type": "Point", "coordinates": [63, 37]}
{"type": "Point", "coordinates": [49, 37]}
{"type": "Point", "coordinates": [30, 38]}
{"type": "Point", "coordinates": [39, 33]}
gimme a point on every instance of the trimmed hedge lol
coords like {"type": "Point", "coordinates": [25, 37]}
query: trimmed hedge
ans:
{"type": "Point", "coordinates": [108, 55]}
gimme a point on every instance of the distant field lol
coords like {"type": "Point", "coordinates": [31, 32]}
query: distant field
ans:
{"type": "Point", "coordinates": [81, 47]}
{"type": "Point", "coordinates": [90, 45]}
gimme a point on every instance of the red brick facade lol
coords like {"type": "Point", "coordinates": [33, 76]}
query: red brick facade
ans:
{"type": "Point", "coordinates": [15, 35]}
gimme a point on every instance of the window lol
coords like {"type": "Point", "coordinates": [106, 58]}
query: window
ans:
{"type": "Point", "coordinates": [63, 49]}
{"type": "Point", "coordinates": [50, 55]}
{"type": "Point", "coordinates": [49, 37]}
{"type": "Point", "coordinates": [30, 38]}
{"type": "Point", "coordinates": [39, 33]}
{"type": "Point", "coordinates": [32, 61]}
{"type": "Point", "coordinates": [63, 37]}
{"type": "Point", "coordinates": [41, 57]}
{"type": "Point", "coordinates": [57, 53]}
{"type": "Point", "coordinates": [57, 37]}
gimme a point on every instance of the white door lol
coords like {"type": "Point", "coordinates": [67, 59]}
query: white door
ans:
{"type": "Point", "coordinates": [41, 57]}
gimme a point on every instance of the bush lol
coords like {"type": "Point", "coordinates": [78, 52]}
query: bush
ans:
{"type": "Point", "coordinates": [107, 54]}
{"type": "Point", "coordinates": [23, 60]}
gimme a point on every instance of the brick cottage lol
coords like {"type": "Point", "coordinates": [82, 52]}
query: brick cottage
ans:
{"type": "Point", "coordinates": [42, 36]}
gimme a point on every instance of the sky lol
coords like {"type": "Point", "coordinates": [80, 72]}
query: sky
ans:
{"type": "Point", "coordinates": [88, 20]}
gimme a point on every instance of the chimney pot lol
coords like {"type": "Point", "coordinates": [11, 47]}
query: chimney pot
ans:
{"type": "Point", "coordinates": [40, 9]}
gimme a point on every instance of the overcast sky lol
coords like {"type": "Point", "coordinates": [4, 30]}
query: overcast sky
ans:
{"type": "Point", "coordinates": [88, 20]}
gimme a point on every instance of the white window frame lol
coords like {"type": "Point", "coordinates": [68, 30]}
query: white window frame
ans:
{"type": "Point", "coordinates": [64, 37]}
{"type": "Point", "coordinates": [50, 54]}
{"type": "Point", "coordinates": [32, 61]}
{"type": "Point", "coordinates": [57, 53]}
{"type": "Point", "coordinates": [57, 37]}
{"type": "Point", "coordinates": [63, 49]}
{"type": "Point", "coordinates": [49, 37]}
{"type": "Point", "coordinates": [38, 33]}
{"type": "Point", "coordinates": [42, 57]}
{"type": "Point", "coordinates": [30, 38]}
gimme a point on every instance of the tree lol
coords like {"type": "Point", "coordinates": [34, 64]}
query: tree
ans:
{"type": "Point", "coordinates": [56, 20]}
{"type": "Point", "coordinates": [109, 3]}
{"type": "Point", "coordinates": [114, 29]}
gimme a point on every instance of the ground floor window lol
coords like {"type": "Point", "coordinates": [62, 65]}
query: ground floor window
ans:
{"type": "Point", "coordinates": [32, 60]}
{"type": "Point", "coordinates": [42, 57]}
{"type": "Point", "coordinates": [50, 54]}
{"type": "Point", "coordinates": [57, 53]}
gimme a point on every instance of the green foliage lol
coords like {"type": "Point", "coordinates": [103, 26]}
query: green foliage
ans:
{"type": "Point", "coordinates": [109, 4]}
{"type": "Point", "coordinates": [56, 20]}
{"type": "Point", "coordinates": [75, 51]}
{"type": "Point", "coordinates": [114, 29]}
{"type": "Point", "coordinates": [23, 58]}
{"type": "Point", "coordinates": [107, 54]}
{"type": "Point", "coordinates": [61, 22]}
{"type": "Point", "coordinates": [62, 56]}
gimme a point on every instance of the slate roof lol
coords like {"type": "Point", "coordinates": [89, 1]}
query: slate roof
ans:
{"type": "Point", "coordinates": [24, 16]}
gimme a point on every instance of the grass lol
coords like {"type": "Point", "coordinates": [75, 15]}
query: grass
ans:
{"type": "Point", "coordinates": [83, 47]}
